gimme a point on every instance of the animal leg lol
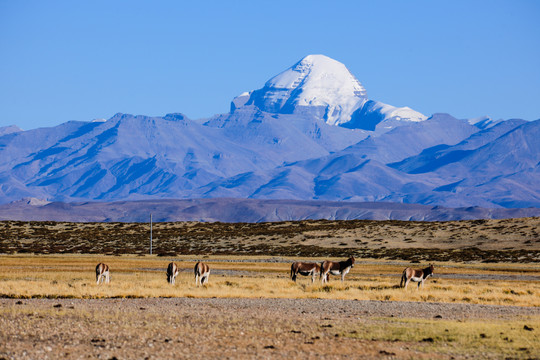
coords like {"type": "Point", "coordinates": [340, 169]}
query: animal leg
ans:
{"type": "Point", "coordinates": [407, 283]}
{"type": "Point", "coordinates": [196, 280]}
{"type": "Point", "coordinates": [325, 278]}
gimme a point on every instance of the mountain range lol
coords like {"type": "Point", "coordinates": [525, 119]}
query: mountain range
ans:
{"type": "Point", "coordinates": [310, 133]}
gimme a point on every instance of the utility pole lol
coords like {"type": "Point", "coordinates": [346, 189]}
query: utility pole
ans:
{"type": "Point", "coordinates": [150, 234]}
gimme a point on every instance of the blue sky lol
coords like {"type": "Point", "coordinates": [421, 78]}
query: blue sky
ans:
{"type": "Point", "coordinates": [82, 60]}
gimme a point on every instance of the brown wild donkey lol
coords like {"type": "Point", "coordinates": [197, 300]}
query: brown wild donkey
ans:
{"type": "Point", "coordinates": [306, 269]}
{"type": "Point", "coordinates": [416, 275]}
{"type": "Point", "coordinates": [202, 272]}
{"type": "Point", "coordinates": [102, 273]}
{"type": "Point", "coordinates": [172, 273]}
{"type": "Point", "coordinates": [336, 268]}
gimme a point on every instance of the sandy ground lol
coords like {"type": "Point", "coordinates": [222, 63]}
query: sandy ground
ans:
{"type": "Point", "coordinates": [217, 328]}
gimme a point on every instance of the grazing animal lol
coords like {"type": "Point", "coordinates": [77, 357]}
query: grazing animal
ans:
{"type": "Point", "coordinates": [305, 269]}
{"type": "Point", "coordinates": [202, 272]}
{"type": "Point", "coordinates": [172, 272]}
{"type": "Point", "coordinates": [102, 273]}
{"type": "Point", "coordinates": [336, 268]}
{"type": "Point", "coordinates": [417, 275]}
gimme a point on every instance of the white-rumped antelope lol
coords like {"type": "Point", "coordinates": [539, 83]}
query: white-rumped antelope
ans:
{"type": "Point", "coordinates": [306, 269]}
{"type": "Point", "coordinates": [202, 272]}
{"type": "Point", "coordinates": [172, 273]}
{"type": "Point", "coordinates": [416, 275]}
{"type": "Point", "coordinates": [336, 268]}
{"type": "Point", "coordinates": [102, 273]}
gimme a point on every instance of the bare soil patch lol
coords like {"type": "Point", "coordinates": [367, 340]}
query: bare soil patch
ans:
{"type": "Point", "coordinates": [237, 328]}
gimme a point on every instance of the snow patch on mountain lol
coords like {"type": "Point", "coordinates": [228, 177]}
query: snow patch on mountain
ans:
{"type": "Point", "coordinates": [483, 122]}
{"type": "Point", "coordinates": [375, 115]}
{"type": "Point", "coordinates": [240, 101]}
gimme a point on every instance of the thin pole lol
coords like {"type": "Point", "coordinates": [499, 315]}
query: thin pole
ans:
{"type": "Point", "coordinates": [150, 234]}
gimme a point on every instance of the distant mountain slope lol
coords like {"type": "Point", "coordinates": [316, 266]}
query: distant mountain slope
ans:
{"type": "Point", "coordinates": [440, 155]}
{"type": "Point", "coordinates": [138, 156]}
{"type": "Point", "coordinates": [310, 133]}
{"type": "Point", "coordinates": [243, 210]}
{"type": "Point", "coordinates": [4, 130]}
{"type": "Point", "coordinates": [283, 137]}
{"type": "Point", "coordinates": [411, 138]}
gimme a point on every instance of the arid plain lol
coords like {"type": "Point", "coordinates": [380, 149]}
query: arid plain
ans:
{"type": "Point", "coordinates": [482, 302]}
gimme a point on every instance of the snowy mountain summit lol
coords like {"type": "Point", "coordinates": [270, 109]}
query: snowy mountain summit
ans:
{"type": "Point", "coordinates": [324, 88]}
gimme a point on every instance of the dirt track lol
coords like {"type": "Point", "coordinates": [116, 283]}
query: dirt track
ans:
{"type": "Point", "coordinates": [217, 327]}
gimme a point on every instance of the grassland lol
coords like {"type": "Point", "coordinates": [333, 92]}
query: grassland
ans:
{"type": "Point", "coordinates": [488, 241]}
{"type": "Point", "coordinates": [483, 302]}
{"type": "Point", "coordinates": [72, 276]}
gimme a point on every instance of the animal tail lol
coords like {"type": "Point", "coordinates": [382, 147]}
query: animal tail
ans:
{"type": "Point", "coordinates": [98, 271]}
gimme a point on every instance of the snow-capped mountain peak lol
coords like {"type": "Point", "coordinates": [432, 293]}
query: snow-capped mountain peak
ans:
{"type": "Point", "coordinates": [315, 85]}
{"type": "Point", "coordinates": [320, 87]}
{"type": "Point", "coordinates": [320, 78]}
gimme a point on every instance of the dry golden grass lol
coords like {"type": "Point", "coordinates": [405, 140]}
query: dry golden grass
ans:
{"type": "Point", "coordinates": [472, 338]}
{"type": "Point", "coordinates": [68, 276]}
